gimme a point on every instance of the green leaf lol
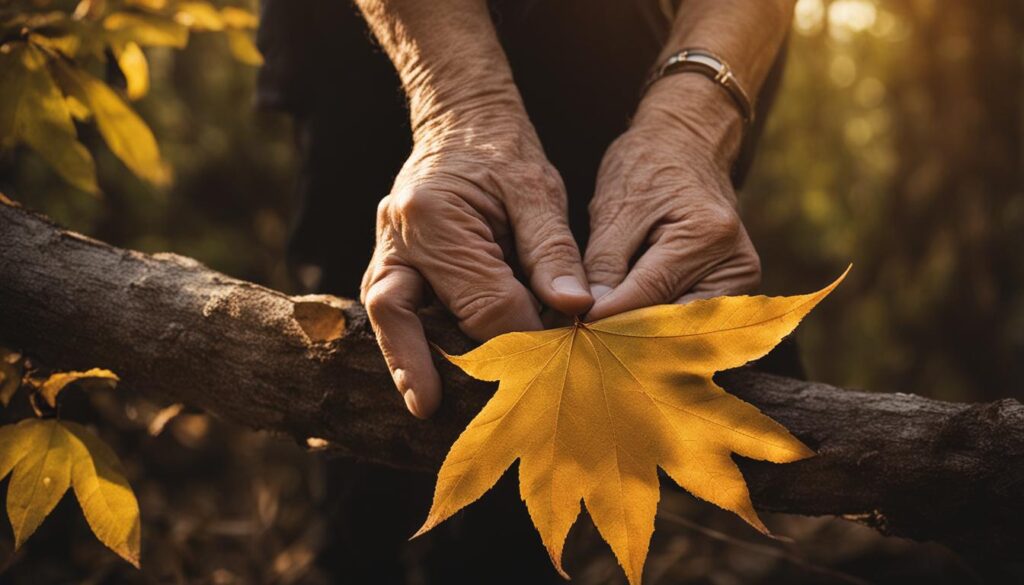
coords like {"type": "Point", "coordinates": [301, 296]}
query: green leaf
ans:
{"type": "Point", "coordinates": [127, 136]}
{"type": "Point", "coordinates": [60, 380]}
{"type": "Point", "coordinates": [33, 111]}
{"type": "Point", "coordinates": [106, 498]}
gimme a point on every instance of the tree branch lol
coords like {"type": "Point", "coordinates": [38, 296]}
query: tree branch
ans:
{"type": "Point", "coordinates": [309, 367]}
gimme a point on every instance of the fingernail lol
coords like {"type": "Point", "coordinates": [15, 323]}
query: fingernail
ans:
{"type": "Point", "coordinates": [411, 404]}
{"type": "Point", "coordinates": [569, 285]}
{"type": "Point", "coordinates": [599, 290]}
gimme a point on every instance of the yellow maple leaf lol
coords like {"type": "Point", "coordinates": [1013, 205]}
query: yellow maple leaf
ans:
{"type": "Point", "coordinates": [592, 410]}
{"type": "Point", "coordinates": [48, 456]}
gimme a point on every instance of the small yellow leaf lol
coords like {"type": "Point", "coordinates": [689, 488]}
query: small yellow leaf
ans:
{"type": "Point", "coordinates": [78, 110]}
{"type": "Point", "coordinates": [15, 443]}
{"type": "Point", "coordinates": [147, 30]}
{"type": "Point", "coordinates": [106, 498]}
{"type": "Point", "coordinates": [148, 4]}
{"type": "Point", "coordinates": [60, 380]}
{"type": "Point", "coordinates": [10, 380]}
{"type": "Point", "coordinates": [199, 16]}
{"type": "Point", "coordinates": [11, 372]}
{"type": "Point", "coordinates": [133, 64]}
{"type": "Point", "coordinates": [243, 48]}
{"type": "Point", "coordinates": [67, 44]}
{"type": "Point", "coordinates": [40, 478]}
{"type": "Point", "coordinates": [127, 136]}
{"type": "Point", "coordinates": [593, 410]}
{"type": "Point", "coordinates": [48, 456]}
{"type": "Point", "coordinates": [34, 111]}
{"type": "Point", "coordinates": [235, 17]}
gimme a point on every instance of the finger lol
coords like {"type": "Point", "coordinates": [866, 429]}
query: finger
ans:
{"type": "Point", "coordinates": [391, 303]}
{"type": "Point", "coordinates": [739, 275]}
{"type": "Point", "coordinates": [615, 238]}
{"type": "Point", "coordinates": [679, 258]}
{"type": "Point", "coordinates": [465, 267]}
{"type": "Point", "coordinates": [548, 252]}
{"type": "Point", "coordinates": [606, 260]}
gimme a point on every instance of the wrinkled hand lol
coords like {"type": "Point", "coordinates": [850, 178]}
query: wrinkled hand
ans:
{"type": "Point", "coordinates": [664, 221]}
{"type": "Point", "coordinates": [470, 199]}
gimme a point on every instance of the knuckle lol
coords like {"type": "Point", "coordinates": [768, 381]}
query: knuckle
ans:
{"type": "Point", "coordinates": [604, 268]}
{"type": "Point", "coordinates": [482, 306]}
{"type": "Point", "coordinates": [557, 249]}
{"type": "Point", "coordinates": [752, 277]}
{"type": "Point", "coordinates": [378, 302]}
{"type": "Point", "coordinates": [415, 203]}
{"type": "Point", "coordinates": [721, 225]}
{"type": "Point", "coordinates": [383, 206]}
{"type": "Point", "coordinates": [657, 285]}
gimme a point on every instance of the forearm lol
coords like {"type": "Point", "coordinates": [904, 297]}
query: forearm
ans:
{"type": "Point", "coordinates": [448, 57]}
{"type": "Point", "coordinates": [747, 35]}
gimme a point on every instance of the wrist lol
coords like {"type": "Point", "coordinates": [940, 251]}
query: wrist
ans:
{"type": "Point", "coordinates": [449, 94]}
{"type": "Point", "coordinates": [698, 111]}
{"type": "Point", "coordinates": [483, 111]}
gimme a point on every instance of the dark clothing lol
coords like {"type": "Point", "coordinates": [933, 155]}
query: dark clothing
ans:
{"type": "Point", "coordinates": [580, 66]}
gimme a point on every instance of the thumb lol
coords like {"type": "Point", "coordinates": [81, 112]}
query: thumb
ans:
{"type": "Point", "coordinates": [548, 254]}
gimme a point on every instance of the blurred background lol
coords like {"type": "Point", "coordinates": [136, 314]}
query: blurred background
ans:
{"type": "Point", "coordinates": [897, 143]}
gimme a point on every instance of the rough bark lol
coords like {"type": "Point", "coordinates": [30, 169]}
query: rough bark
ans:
{"type": "Point", "coordinates": [309, 367]}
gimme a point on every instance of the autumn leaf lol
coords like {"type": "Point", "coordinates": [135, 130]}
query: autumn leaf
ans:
{"type": "Point", "coordinates": [44, 458]}
{"type": "Point", "coordinates": [146, 30]}
{"type": "Point", "coordinates": [57, 382]}
{"type": "Point", "coordinates": [133, 64]}
{"type": "Point", "coordinates": [199, 15]}
{"type": "Point", "coordinates": [591, 411]}
{"type": "Point", "coordinates": [243, 48]}
{"type": "Point", "coordinates": [235, 17]}
{"type": "Point", "coordinates": [124, 132]}
{"type": "Point", "coordinates": [11, 371]}
{"type": "Point", "coordinates": [33, 110]}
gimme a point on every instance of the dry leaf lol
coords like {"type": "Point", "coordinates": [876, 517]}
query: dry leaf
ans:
{"type": "Point", "coordinates": [243, 48]}
{"type": "Point", "coordinates": [127, 136]}
{"type": "Point", "coordinates": [33, 110]}
{"type": "Point", "coordinates": [591, 411]}
{"type": "Point", "coordinates": [60, 380]}
{"type": "Point", "coordinates": [133, 64]}
{"type": "Point", "coordinates": [48, 456]}
{"type": "Point", "coordinates": [11, 371]}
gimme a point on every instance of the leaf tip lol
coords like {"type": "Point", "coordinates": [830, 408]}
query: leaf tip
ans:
{"type": "Point", "coordinates": [427, 527]}
{"type": "Point", "coordinates": [556, 560]}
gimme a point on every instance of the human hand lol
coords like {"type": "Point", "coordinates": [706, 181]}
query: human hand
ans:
{"type": "Point", "coordinates": [476, 195]}
{"type": "Point", "coordinates": [665, 199]}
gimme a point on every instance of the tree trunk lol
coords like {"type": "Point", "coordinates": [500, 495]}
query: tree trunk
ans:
{"type": "Point", "coordinates": [309, 367]}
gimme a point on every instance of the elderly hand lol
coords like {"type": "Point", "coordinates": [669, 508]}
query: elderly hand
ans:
{"type": "Point", "coordinates": [476, 193]}
{"type": "Point", "coordinates": [664, 221]}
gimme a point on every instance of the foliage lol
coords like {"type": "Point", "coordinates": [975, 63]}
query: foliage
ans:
{"type": "Point", "coordinates": [46, 456]}
{"type": "Point", "coordinates": [45, 56]}
{"type": "Point", "coordinates": [593, 410]}
{"type": "Point", "coordinates": [897, 140]}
